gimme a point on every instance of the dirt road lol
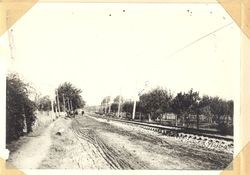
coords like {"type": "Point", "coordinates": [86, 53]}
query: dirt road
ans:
{"type": "Point", "coordinates": [91, 143]}
{"type": "Point", "coordinates": [34, 148]}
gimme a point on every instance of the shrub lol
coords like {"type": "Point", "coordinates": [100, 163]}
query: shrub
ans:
{"type": "Point", "coordinates": [19, 108]}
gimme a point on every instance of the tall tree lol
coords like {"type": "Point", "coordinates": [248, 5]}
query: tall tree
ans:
{"type": "Point", "coordinates": [70, 96]}
{"type": "Point", "coordinates": [127, 107]}
{"type": "Point", "coordinates": [184, 104]}
{"type": "Point", "coordinates": [114, 107]}
{"type": "Point", "coordinates": [204, 107]}
{"type": "Point", "coordinates": [105, 103]}
{"type": "Point", "coordinates": [217, 108]}
{"type": "Point", "coordinates": [44, 104]}
{"type": "Point", "coordinates": [118, 99]}
{"type": "Point", "coordinates": [155, 102]}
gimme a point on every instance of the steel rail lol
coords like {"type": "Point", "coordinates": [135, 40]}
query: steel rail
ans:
{"type": "Point", "coordinates": [199, 132]}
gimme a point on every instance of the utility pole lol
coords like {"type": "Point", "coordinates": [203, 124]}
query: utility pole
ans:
{"type": "Point", "coordinates": [109, 107]}
{"type": "Point", "coordinates": [133, 116]}
{"type": "Point", "coordinates": [105, 111]}
{"type": "Point", "coordinates": [119, 106]}
{"type": "Point", "coordinates": [134, 106]}
{"type": "Point", "coordinates": [58, 103]}
{"type": "Point", "coordinates": [52, 106]}
{"type": "Point", "coordinates": [11, 43]}
{"type": "Point", "coordinates": [56, 106]}
{"type": "Point", "coordinates": [139, 93]}
{"type": "Point", "coordinates": [64, 107]}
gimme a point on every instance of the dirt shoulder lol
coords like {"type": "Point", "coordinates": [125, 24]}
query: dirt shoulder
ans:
{"type": "Point", "coordinates": [30, 150]}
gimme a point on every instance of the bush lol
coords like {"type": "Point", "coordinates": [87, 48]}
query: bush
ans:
{"type": "Point", "coordinates": [19, 108]}
{"type": "Point", "coordinates": [225, 129]}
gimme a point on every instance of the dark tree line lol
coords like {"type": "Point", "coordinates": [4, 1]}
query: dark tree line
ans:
{"type": "Point", "coordinates": [69, 97]}
{"type": "Point", "coordinates": [20, 109]}
{"type": "Point", "coordinates": [188, 107]}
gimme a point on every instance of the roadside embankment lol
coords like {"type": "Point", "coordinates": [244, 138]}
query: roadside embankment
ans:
{"type": "Point", "coordinates": [29, 150]}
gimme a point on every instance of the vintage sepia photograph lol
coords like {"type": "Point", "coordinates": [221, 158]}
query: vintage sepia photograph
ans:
{"type": "Point", "coordinates": [103, 86]}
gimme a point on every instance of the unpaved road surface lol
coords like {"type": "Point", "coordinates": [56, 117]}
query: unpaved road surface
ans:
{"type": "Point", "coordinates": [86, 142]}
{"type": "Point", "coordinates": [91, 143]}
{"type": "Point", "coordinates": [32, 151]}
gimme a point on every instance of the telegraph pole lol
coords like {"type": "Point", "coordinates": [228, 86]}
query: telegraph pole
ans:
{"type": "Point", "coordinates": [109, 107]}
{"type": "Point", "coordinates": [134, 106]}
{"type": "Point", "coordinates": [133, 116]}
{"type": "Point", "coordinates": [64, 108]}
{"type": "Point", "coordinates": [56, 106]}
{"type": "Point", "coordinates": [58, 103]}
{"type": "Point", "coordinates": [11, 43]}
{"type": "Point", "coordinates": [146, 84]}
{"type": "Point", "coordinates": [119, 107]}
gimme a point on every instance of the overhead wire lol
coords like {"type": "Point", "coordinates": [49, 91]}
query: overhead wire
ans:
{"type": "Point", "coordinates": [195, 41]}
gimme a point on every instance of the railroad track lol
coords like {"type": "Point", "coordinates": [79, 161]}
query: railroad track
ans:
{"type": "Point", "coordinates": [165, 129]}
{"type": "Point", "coordinates": [200, 137]}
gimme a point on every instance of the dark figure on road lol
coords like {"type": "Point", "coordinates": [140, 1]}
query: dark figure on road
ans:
{"type": "Point", "coordinates": [82, 112]}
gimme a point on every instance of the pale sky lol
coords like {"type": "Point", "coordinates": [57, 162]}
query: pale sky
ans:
{"type": "Point", "coordinates": [105, 55]}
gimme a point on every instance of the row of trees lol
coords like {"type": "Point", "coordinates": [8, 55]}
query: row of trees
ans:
{"type": "Point", "coordinates": [44, 103]}
{"type": "Point", "coordinates": [185, 106]}
{"type": "Point", "coordinates": [20, 109]}
{"type": "Point", "coordinates": [111, 107]}
{"type": "Point", "coordinates": [69, 99]}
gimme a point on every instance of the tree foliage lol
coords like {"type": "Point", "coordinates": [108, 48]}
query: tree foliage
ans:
{"type": "Point", "coordinates": [19, 108]}
{"type": "Point", "coordinates": [70, 96]}
{"type": "Point", "coordinates": [114, 107]}
{"type": "Point", "coordinates": [185, 102]}
{"type": "Point", "coordinates": [115, 104]}
{"type": "Point", "coordinates": [105, 103]}
{"type": "Point", "coordinates": [118, 99]}
{"type": "Point", "coordinates": [187, 107]}
{"type": "Point", "coordinates": [106, 100]}
{"type": "Point", "coordinates": [127, 107]}
{"type": "Point", "coordinates": [44, 104]}
{"type": "Point", "coordinates": [155, 102]}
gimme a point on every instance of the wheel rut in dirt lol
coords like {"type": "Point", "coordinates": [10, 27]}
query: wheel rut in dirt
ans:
{"type": "Point", "coordinates": [116, 159]}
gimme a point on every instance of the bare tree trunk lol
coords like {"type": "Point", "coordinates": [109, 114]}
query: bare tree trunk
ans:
{"type": "Point", "coordinates": [210, 119]}
{"type": "Point", "coordinates": [176, 120]}
{"type": "Point", "coordinates": [149, 117]}
{"type": "Point", "coordinates": [183, 120]}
